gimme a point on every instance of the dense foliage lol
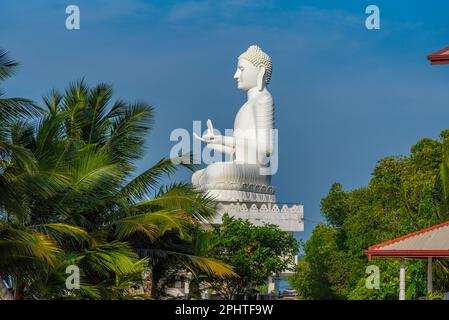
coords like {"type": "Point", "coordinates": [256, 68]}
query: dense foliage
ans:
{"type": "Point", "coordinates": [405, 194]}
{"type": "Point", "coordinates": [255, 252]}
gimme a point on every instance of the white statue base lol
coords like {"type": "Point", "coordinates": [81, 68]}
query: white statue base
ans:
{"type": "Point", "coordinates": [288, 219]}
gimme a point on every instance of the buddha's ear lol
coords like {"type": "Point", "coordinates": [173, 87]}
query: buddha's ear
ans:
{"type": "Point", "coordinates": [261, 78]}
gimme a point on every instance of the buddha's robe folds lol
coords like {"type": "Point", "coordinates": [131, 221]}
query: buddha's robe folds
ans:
{"type": "Point", "coordinates": [247, 177]}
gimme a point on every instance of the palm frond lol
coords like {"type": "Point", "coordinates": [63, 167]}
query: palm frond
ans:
{"type": "Point", "coordinates": [184, 197]}
{"type": "Point", "coordinates": [16, 243]}
{"type": "Point", "coordinates": [61, 231]}
{"type": "Point", "coordinates": [152, 224]}
{"type": "Point", "coordinates": [202, 243]}
{"type": "Point", "coordinates": [53, 101]}
{"type": "Point", "coordinates": [14, 109]}
{"type": "Point", "coordinates": [149, 180]}
{"type": "Point", "coordinates": [116, 257]}
{"type": "Point", "coordinates": [210, 266]}
{"type": "Point", "coordinates": [22, 134]}
{"type": "Point", "coordinates": [15, 154]}
{"type": "Point", "coordinates": [97, 103]}
{"type": "Point", "coordinates": [118, 109]}
{"type": "Point", "coordinates": [128, 130]}
{"type": "Point", "coordinates": [95, 169]}
{"type": "Point", "coordinates": [7, 65]}
{"type": "Point", "coordinates": [74, 103]}
{"type": "Point", "coordinates": [49, 136]}
{"type": "Point", "coordinates": [194, 263]}
{"type": "Point", "coordinates": [90, 291]}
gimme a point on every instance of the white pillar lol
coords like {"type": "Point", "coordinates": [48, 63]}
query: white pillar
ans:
{"type": "Point", "coordinates": [429, 275]}
{"type": "Point", "coordinates": [402, 280]}
{"type": "Point", "coordinates": [271, 287]}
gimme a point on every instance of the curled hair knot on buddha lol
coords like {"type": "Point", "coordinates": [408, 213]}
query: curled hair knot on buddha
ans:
{"type": "Point", "coordinates": [258, 58]}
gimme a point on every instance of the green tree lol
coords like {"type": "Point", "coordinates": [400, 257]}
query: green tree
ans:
{"type": "Point", "coordinates": [405, 194]}
{"type": "Point", "coordinates": [255, 252]}
{"type": "Point", "coordinates": [335, 205]}
{"type": "Point", "coordinates": [323, 271]}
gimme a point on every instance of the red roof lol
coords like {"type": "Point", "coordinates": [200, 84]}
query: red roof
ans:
{"type": "Point", "coordinates": [439, 57]}
{"type": "Point", "coordinates": [429, 242]}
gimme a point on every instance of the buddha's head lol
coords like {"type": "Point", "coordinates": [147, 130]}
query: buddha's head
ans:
{"type": "Point", "coordinates": [254, 69]}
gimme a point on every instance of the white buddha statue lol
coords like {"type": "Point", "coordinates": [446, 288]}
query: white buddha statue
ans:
{"type": "Point", "coordinates": [247, 177]}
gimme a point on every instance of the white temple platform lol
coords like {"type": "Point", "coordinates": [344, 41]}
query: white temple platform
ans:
{"type": "Point", "coordinates": [287, 218]}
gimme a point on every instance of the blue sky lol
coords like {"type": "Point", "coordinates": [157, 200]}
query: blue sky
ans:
{"type": "Point", "coordinates": [345, 96]}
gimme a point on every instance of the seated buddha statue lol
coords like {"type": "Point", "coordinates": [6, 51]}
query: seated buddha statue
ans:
{"type": "Point", "coordinates": [247, 177]}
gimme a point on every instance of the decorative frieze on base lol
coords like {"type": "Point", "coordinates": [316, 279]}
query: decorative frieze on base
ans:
{"type": "Point", "coordinates": [288, 218]}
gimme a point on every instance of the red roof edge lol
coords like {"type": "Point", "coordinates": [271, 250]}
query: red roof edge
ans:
{"type": "Point", "coordinates": [436, 62]}
{"type": "Point", "coordinates": [406, 253]}
{"type": "Point", "coordinates": [438, 58]}
{"type": "Point", "coordinates": [379, 245]}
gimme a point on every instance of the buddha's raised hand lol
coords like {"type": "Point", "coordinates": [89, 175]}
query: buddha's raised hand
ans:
{"type": "Point", "coordinates": [210, 136]}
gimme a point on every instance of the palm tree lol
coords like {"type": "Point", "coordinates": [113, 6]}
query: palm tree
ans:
{"type": "Point", "coordinates": [69, 182]}
{"type": "Point", "coordinates": [12, 110]}
{"type": "Point", "coordinates": [162, 225]}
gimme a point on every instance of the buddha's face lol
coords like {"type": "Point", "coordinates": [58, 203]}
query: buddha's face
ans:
{"type": "Point", "coordinates": [246, 75]}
